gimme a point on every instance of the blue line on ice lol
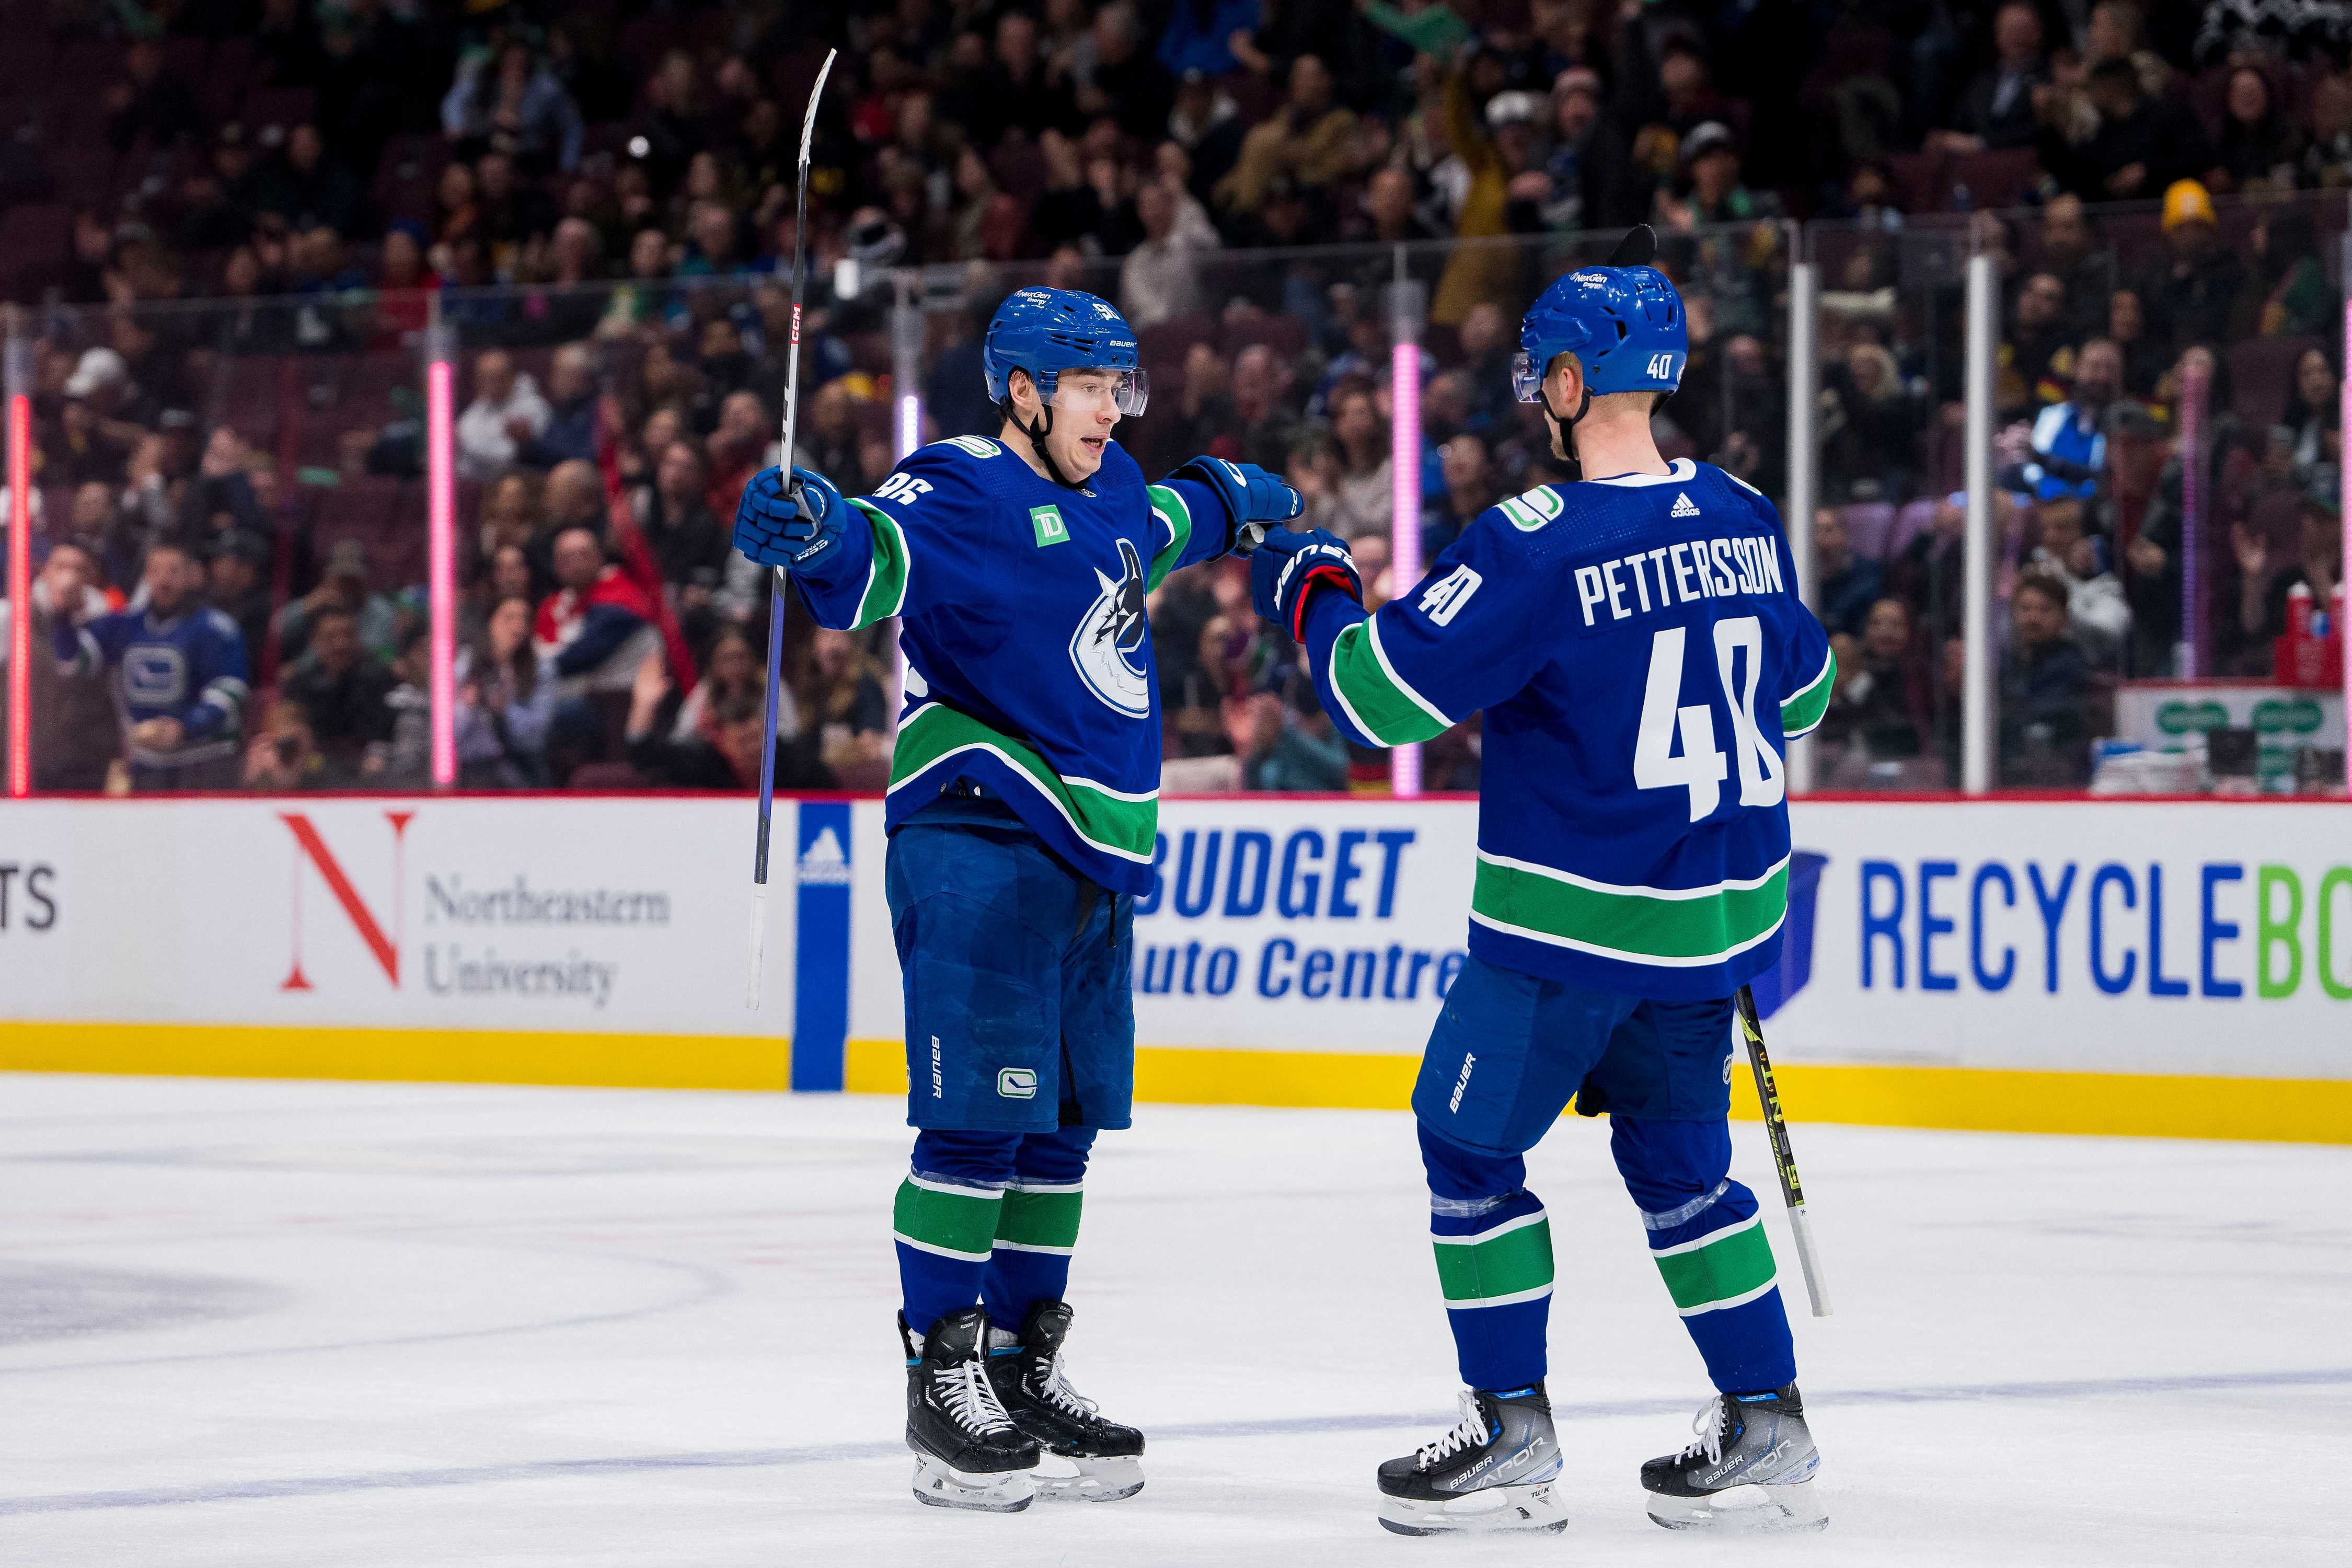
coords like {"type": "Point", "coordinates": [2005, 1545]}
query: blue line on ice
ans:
{"type": "Point", "coordinates": [743, 1458]}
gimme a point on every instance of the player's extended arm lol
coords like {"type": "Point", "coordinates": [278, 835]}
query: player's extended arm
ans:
{"type": "Point", "coordinates": [1461, 640]}
{"type": "Point", "coordinates": [1811, 668]}
{"type": "Point", "coordinates": [847, 558]}
{"type": "Point", "coordinates": [1201, 507]}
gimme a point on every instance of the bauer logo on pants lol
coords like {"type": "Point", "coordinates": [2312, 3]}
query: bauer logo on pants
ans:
{"type": "Point", "coordinates": [1016, 1083]}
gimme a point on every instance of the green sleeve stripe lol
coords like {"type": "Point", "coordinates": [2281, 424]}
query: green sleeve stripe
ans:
{"type": "Point", "coordinates": [1169, 509]}
{"type": "Point", "coordinates": [1378, 702]}
{"type": "Point", "coordinates": [955, 1222]}
{"type": "Point", "coordinates": [1802, 711]}
{"type": "Point", "coordinates": [1721, 1271]}
{"type": "Point", "coordinates": [1040, 1222]}
{"type": "Point", "coordinates": [1113, 821]}
{"type": "Point", "coordinates": [1508, 1265]}
{"type": "Point", "coordinates": [886, 579]}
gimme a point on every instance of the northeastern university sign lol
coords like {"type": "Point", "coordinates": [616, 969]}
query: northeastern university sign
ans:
{"type": "Point", "coordinates": [487, 930]}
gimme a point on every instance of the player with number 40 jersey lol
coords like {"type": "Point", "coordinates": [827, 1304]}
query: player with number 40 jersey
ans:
{"type": "Point", "coordinates": [1636, 645]}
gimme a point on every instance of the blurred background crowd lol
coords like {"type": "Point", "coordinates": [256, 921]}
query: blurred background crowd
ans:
{"type": "Point", "coordinates": [225, 229]}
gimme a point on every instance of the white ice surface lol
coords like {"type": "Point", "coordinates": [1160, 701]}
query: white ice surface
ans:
{"type": "Point", "coordinates": [253, 1324]}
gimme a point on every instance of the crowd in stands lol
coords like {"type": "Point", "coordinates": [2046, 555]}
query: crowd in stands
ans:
{"type": "Point", "coordinates": [598, 207]}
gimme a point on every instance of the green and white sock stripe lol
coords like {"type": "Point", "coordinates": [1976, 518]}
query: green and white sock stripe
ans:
{"type": "Point", "coordinates": [1726, 1270]}
{"type": "Point", "coordinates": [1113, 821]}
{"type": "Point", "coordinates": [1040, 1217]}
{"type": "Point", "coordinates": [1177, 517]}
{"type": "Point", "coordinates": [1379, 700]}
{"type": "Point", "coordinates": [1673, 928]}
{"type": "Point", "coordinates": [951, 1221]}
{"type": "Point", "coordinates": [1505, 1263]}
{"type": "Point", "coordinates": [1803, 709]}
{"type": "Point", "coordinates": [886, 579]}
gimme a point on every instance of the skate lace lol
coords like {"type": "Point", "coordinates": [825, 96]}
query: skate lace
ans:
{"type": "Point", "coordinates": [1708, 1424]}
{"type": "Point", "coordinates": [1053, 1388]}
{"type": "Point", "coordinates": [963, 1390]}
{"type": "Point", "coordinates": [1470, 1432]}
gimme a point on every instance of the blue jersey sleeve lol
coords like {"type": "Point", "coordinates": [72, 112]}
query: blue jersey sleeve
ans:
{"type": "Point", "coordinates": [1808, 667]}
{"type": "Point", "coordinates": [217, 675]}
{"type": "Point", "coordinates": [907, 544]}
{"type": "Point", "coordinates": [1189, 525]}
{"type": "Point", "coordinates": [1463, 639]}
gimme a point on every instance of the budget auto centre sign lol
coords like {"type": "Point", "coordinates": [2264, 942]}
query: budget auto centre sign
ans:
{"type": "Point", "coordinates": [2167, 937]}
{"type": "Point", "coordinates": [2190, 938]}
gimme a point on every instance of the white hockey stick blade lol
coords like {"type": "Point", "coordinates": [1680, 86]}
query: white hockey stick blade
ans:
{"type": "Point", "coordinates": [1800, 1226]}
{"type": "Point", "coordinates": [758, 944]}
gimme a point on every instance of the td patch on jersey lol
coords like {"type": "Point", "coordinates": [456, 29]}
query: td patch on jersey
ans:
{"type": "Point", "coordinates": [1110, 636]}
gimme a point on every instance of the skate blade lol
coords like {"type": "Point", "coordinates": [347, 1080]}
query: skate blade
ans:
{"type": "Point", "coordinates": [1794, 1506]}
{"type": "Point", "coordinates": [1490, 1510]}
{"type": "Point", "coordinates": [943, 1486]}
{"type": "Point", "coordinates": [1103, 1479]}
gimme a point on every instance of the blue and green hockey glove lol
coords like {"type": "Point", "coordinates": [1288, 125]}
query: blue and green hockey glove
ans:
{"type": "Point", "coordinates": [788, 525]}
{"type": "Point", "coordinates": [1251, 496]}
{"type": "Point", "coordinates": [1289, 569]}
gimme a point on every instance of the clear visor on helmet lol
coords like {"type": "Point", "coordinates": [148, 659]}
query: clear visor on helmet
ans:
{"type": "Point", "coordinates": [1526, 377]}
{"type": "Point", "coordinates": [1086, 391]}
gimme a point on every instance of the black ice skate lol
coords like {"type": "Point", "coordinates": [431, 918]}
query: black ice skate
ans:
{"type": "Point", "coordinates": [1087, 1458]}
{"type": "Point", "coordinates": [1751, 1469]}
{"type": "Point", "coordinates": [1493, 1473]}
{"type": "Point", "coordinates": [967, 1453]}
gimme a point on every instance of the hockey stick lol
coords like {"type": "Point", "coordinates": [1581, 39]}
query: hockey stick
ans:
{"type": "Point", "coordinates": [776, 574]}
{"type": "Point", "coordinates": [1776, 1128]}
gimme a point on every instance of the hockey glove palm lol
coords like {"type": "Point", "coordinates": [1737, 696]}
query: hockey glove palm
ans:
{"type": "Point", "coordinates": [789, 524]}
{"type": "Point", "coordinates": [1290, 568]}
{"type": "Point", "coordinates": [1250, 494]}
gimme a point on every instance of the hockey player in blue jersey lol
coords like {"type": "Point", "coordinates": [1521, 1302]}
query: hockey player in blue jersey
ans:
{"type": "Point", "coordinates": [1023, 806]}
{"type": "Point", "coordinates": [1638, 648]}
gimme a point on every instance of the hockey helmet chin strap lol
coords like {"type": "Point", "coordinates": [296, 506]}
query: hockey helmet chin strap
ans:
{"type": "Point", "coordinates": [1563, 431]}
{"type": "Point", "coordinates": [1038, 432]}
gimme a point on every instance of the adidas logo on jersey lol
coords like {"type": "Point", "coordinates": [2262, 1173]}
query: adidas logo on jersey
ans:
{"type": "Point", "coordinates": [1684, 505]}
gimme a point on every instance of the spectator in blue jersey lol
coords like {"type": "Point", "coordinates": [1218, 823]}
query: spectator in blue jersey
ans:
{"type": "Point", "coordinates": [2070, 439]}
{"type": "Point", "coordinates": [183, 676]}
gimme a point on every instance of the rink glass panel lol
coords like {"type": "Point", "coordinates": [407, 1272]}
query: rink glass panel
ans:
{"type": "Point", "coordinates": [324, 396]}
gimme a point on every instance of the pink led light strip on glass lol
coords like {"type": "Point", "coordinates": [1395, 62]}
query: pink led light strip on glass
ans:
{"type": "Point", "coordinates": [1405, 525]}
{"type": "Point", "coordinates": [441, 486]}
{"type": "Point", "coordinates": [20, 596]}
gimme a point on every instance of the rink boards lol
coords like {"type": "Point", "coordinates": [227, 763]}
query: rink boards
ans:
{"type": "Point", "coordinates": [2130, 967]}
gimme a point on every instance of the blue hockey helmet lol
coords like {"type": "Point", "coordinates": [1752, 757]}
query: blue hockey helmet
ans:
{"type": "Point", "coordinates": [1624, 323]}
{"type": "Point", "coordinates": [1048, 330]}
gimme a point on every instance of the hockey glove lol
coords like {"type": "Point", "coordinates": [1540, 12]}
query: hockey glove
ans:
{"type": "Point", "coordinates": [1290, 568]}
{"type": "Point", "coordinates": [1250, 494]}
{"type": "Point", "coordinates": [789, 526]}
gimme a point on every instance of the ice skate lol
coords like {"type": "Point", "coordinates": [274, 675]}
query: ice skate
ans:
{"type": "Point", "coordinates": [967, 1453]}
{"type": "Point", "coordinates": [1086, 1459]}
{"type": "Point", "coordinates": [1751, 1469]}
{"type": "Point", "coordinates": [1493, 1473]}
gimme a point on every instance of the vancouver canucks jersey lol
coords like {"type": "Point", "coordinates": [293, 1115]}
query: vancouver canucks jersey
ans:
{"type": "Point", "coordinates": [1029, 665]}
{"type": "Point", "coordinates": [1641, 658]}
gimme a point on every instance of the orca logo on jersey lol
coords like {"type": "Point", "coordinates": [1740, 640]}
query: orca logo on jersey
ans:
{"type": "Point", "coordinates": [1111, 633]}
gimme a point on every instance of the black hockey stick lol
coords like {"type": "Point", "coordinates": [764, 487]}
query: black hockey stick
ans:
{"type": "Point", "coordinates": [1776, 1128]}
{"type": "Point", "coordinates": [776, 574]}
